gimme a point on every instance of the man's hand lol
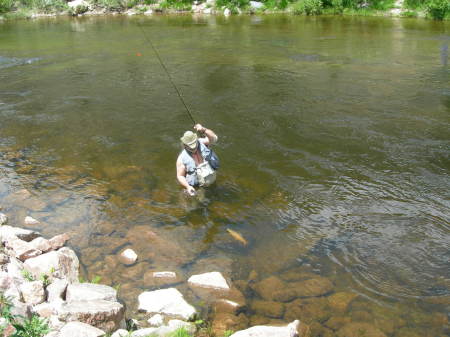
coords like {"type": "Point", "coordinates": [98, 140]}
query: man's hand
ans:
{"type": "Point", "coordinates": [199, 128]}
{"type": "Point", "coordinates": [190, 190]}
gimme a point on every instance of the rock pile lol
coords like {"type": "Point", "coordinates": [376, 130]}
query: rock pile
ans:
{"type": "Point", "coordinates": [41, 278]}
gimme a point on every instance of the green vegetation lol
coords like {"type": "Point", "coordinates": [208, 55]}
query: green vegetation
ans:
{"type": "Point", "coordinates": [27, 275]}
{"type": "Point", "coordinates": [32, 327]}
{"type": "Point", "coordinates": [180, 332]}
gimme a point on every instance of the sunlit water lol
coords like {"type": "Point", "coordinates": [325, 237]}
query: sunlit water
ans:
{"type": "Point", "coordinates": [334, 143]}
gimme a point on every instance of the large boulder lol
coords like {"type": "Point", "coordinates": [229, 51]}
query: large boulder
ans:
{"type": "Point", "coordinates": [21, 249]}
{"type": "Point", "coordinates": [105, 315]}
{"type": "Point", "coordinates": [268, 308]}
{"type": "Point", "coordinates": [79, 329]}
{"type": "Point", "coordinates": [41, 244]}
{"type": "Point", "coordinates": [58, 241]}
{"type": "Point", "coordinates": [33, 292]}
{"type": "Point", "coordinates": [7, 232]}
{"type": "Point", "coordinates": [270, 331]}
{"type": "Point", "coordinates": [90, 292]}
{"type": "Point", "coordinates": [166, 301]}
{"type": "Point", "coordinates": [57, 289]}
{"type": "Point", "coordinates": [60, 264]}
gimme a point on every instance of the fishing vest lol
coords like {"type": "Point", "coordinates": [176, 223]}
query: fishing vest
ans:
{"type": "Point", "coordinates": [200, 175]}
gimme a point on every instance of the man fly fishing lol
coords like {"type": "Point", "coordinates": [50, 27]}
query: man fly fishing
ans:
{"type": "Point", "coordinates": [197, 163]}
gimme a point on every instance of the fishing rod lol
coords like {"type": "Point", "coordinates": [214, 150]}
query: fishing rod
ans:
{"type": "Point", "coordinates": [167, 72]}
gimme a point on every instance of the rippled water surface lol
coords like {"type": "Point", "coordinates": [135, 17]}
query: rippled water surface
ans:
{"type": "Point", "coordinates": [334, 142]}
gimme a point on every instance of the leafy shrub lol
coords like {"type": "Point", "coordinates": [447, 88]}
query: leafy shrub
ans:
{"type": "Point", "coordinates": [308, 7]}
{"type": "Point", "coordinates": [180, 332]}
{"type": "Point", "coordinates": [413, 4]}
{"type": "Point", "coordinates": [437, 9]}
{"type": "Point", "coordinates": [382, 4]}
{"type": "Point", "coordinates": [46, 6]}
{"type": "Point", "coordinates": [276, 4]}
{"type": "Point", "coordinates": [232, 4]}
{"type": "Point", "coordinates": [410, 14]}
{"type": "Point", "coordinates": [338, 6]}
{"type": "Point", "coordinates": [33, 327]}
{"type": "Point", "coordinates": [6, 5]}
{"type": "Point", "coordinates": [181, 5]}
{"type": "Point", "coordinates": [5, 307]}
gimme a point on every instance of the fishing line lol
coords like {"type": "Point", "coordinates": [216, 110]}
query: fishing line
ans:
{"type": "Point", "coordinates": [167, 72]}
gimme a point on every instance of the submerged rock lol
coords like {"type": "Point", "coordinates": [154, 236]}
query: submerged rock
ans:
{"type": "Point", "coordinates": [30, 221]}
{"type": "Point", "coordinates": [339, 302]}
{"type": "Point", "coordinates": [357, 329]}
{"type": "Point", "coordinates": [268, 308]}
{"type": "Point", "coordinates": [128, 257]}
{"type": "Point", "coordinates": [166, 301]}
{"type": "Point", "coordinates": [213, 280]}
{"type": "Point", "coordinates": [228, 322]}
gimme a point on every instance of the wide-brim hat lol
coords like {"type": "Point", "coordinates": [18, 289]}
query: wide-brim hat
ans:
{"type": "Point", "coordinates": [189, 139]}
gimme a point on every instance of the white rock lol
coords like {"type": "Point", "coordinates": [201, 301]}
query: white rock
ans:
{"type": "Point", "coordinates": [61, 264]}
{"type": "Point", "coordinates": [270, 331]}
{"type": "Point", "coordinates": [7, 232]}
{"type": "Point", "coordinates": [256, 4]}
{"type": "Point", "coordinates": [56, 289]}
{"type": "Point", "coordinates": [105, 315]}
{"type": "Point", "coordinates": [156, 320]}
{"type": "Point", "coordinates": [207, 11]}
{"type": "Point", "coordinates": [55, 323]}
{"type": "Point", "coordinates": [58, 241]}
{"type": "Point", "coordinates": [90, 292]}
{"type": "Point", "coordinates": [166, 301]}
{"type": "Point", "coordinates": [30, 221]}
{"type": "Point", "coordinates": [120, 333]}
{"type": "Point", "coordinates": [78, 329]}
{"type": "Point", "coordinates": [41, 244]}
{"type": "Point", "coordinates": [15, 268]}
{"type": "Point", "coordinates": [147, 12]}
{"type": "Point", "coordinates": [227, 12]}
{"type": "Point", "coordinates": [3, 323]}
{"type": "Point", "coordinates": [128, 256]}
{"type": "Point", "coordinates": [33, 292]}
{"type": "Point", "coordinates": [21, 249]}
{"type": "Point", "coordinates": [175, 324]}
{"type": "Point", "coordinates": [3, 219]}
{"type": "Point", "coordinates": [213, 280]}
{"type": "Point", "coordinates": [47, 309]}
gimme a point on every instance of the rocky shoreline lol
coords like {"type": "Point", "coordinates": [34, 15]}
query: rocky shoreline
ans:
{"type": "Point", "coordinates": [40, 278]}
{"type": "Point", "coordinates": [209, 7]}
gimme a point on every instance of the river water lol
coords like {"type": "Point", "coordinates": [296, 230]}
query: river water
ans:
{"type": "Point", "coordinates": [334, 142]}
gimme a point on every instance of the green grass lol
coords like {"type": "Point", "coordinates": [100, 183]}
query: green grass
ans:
{"type": "Point", "coordinates": [180, 332]}
{"type": "Point", "coordinates": [27, 275]}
